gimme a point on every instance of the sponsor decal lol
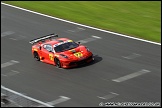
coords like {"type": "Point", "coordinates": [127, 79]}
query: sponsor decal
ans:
{"type": "Point", "coordinates": [62, 43]}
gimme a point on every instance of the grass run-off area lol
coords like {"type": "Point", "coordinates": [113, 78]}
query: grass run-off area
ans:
{"type": "Point", "coordinates": [140, 19]}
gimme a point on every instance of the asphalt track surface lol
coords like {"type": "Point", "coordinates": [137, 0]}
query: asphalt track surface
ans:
{"type": "Point", "coordinates": [87, 85]}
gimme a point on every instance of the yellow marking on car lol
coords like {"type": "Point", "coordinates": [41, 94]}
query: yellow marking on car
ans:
{"type": "Point", "coordinates": [35, 49]}
{"type": "Point", "coordinates": [56, 55]}
{"type": "Point", "coordinates": [78, 54]}
{"type": "Point", "coordinates": [72, 50]}
{"type": "Point", "coordinates": [70, 40]}
{"type": "Point", "coordinates": [51, 57]}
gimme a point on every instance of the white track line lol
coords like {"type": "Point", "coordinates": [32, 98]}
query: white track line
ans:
{"type": "Point", "coordinates": [82, 24]}
{"type": "Point", "coordinates": [121, 79]}
{"type": "Point", "coordinates": [93, 38]}
{"type": "Point", "coordinates": [78, 29]}
{"type": "Point", "coordinates": [19, 37]}
{"type": "Point", "coordinates": [3, 75]}
{"type": "Point", "coordinates": [29, 98]}
{"type": "Point", "coordinates": [109, 96]}
{"type": "Point", "coordinates": [97, 37]}
{"type": "Point", "coordinates": [60, 100]}
{"type": "Point", "coordinates": [12, 62]}
{"type": "Point", "coordinates": [134, 55]}
{"type": "Point", "coordinates": [13, 72]}
{"type": "Point", "coordinates": [7, 33]}
{"type": "Point", "coordinates": [13, 39]}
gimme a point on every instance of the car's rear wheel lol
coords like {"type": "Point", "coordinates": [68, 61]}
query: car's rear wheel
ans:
{"type": "Point", "coordinates": [58, 63]}
{"type": "Point", "coordinates": [36, 56]}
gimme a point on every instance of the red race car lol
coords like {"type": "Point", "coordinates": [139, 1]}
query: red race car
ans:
{"type": "Point", "coordinates": [61, 52]}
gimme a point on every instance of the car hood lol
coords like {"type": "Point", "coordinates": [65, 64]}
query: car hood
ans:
{"type": "Point", "coordinates": [77, 53]}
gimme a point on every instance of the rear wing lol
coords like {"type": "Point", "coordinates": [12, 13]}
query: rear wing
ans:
{"type": "Point", "coordinates": [43, 38]}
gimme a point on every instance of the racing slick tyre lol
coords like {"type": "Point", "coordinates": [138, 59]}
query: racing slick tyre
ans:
{"type": "Point", "coordinates": [36, 56]}
{"type": "Point", "coordinates": [57, 62]}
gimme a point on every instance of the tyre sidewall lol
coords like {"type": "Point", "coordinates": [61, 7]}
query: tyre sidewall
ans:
{"type": "Point", "coordinates": [57, 62]}
{"type": "Point", "coordinates": [36, 56]}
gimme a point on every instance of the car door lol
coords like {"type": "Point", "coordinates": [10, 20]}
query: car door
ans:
{"type": "Point", "coordinates": [47, 53]}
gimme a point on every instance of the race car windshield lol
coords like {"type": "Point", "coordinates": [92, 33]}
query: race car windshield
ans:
{"type": "Point", "coordinates": [65, 46]}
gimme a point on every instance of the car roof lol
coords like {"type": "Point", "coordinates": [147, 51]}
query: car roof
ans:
{"type": "Point", "coordinates": [56, 41]}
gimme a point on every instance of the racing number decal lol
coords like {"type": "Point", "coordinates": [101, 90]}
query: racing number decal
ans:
{"type": "Point", "coordinates": [51, 57]}
{"type": "Point", "coordinates": [78, 54]}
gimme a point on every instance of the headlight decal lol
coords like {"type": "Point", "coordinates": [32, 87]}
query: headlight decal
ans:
{"type": "Point", "coordinates": [64, 56]}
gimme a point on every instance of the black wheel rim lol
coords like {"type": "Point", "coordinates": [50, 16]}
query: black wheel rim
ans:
{"type": "Point", "coordinates": [37, 57]}
{"type": "Point", "coordinates": [58, 63]}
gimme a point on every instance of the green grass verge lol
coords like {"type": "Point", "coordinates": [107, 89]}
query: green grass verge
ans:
{"type": "Point", "coordinates": [140, 19]}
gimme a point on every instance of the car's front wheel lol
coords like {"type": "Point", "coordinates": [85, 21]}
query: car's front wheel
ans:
{"type": "Point", "coordinates": [58, 63]}
{"type": "Point", "coordinates": [36, 56]}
